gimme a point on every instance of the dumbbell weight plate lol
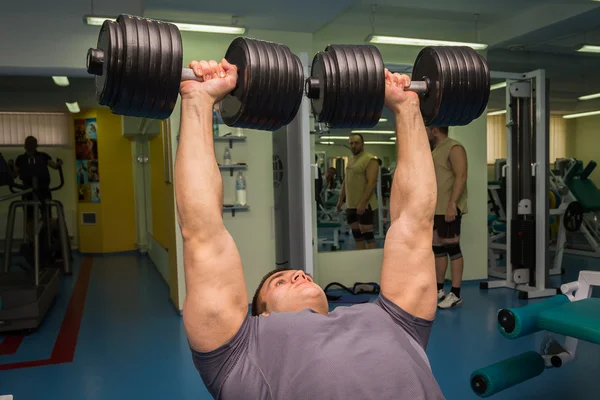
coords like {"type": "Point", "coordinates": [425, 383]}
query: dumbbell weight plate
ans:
{"type": "Point", "coordinates": [341, 79]}
{"type": "Point", "coordinates": [428, 66]}
{"type": "Point", "coordinates": [232, 107]}
{"type": "Point", "coordinates": [105, 82]}
{"type": "Point", "coordinates": [142, 68]}
{"type": "Point", "coordinates": [173, 79]}
{"type": "Point", "coordinates": [153, 62]}
{"type": "Point", "coordinates": [257, 113]}
{"type": "Point", "coordinates": [285, 97]}
{"type": "Point", "coordinates": [273, 105]}
{"type": "Point", "coordinates": [378, 76]}
{"type": "Point", "coordinates": [484, 89]}
{"type": "Point", "coordinates": [474, 82]}
{"type": "Point", "coordinates": [165, 45]}
{"type": "Point", "coordinates": [298, 90]}
{"type": "Point", "coordinates": [362, 85]}
{"type": "Point", "coordinates": [460, 85]}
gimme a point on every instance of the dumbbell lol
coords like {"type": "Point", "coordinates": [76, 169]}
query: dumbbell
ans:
{"type": "Point", "coordinates": [347, 85]}
{"type": "Point", "coordinates": [138, 68]}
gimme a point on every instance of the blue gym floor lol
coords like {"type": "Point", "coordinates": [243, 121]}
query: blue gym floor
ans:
{"type": "Point", "coordinates": [132, 345]}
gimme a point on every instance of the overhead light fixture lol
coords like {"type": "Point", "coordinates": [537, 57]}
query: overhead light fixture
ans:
{"type": "Point", "coordinates": [500, 112]}
{"type": "Point", "coordinates": [183, 26]}
{"type": "Point", "coordinates": [376, 142]}
{"type": "Point", "coordinates": [334, 137]}
{"type": "Point", "coordinates": [327, 142]}
{"type": "Point", "coordinates": [421, 42]}
{"type": "Point", "coordinates": [590, 96]}
{"type": "Point", "coordinates": [393, 138]}
{"type": "Point", "coordinates": [498, 85]}
{"type": "Point", "coordinates": [588, 48]}
{"type": "Point", "coordinates": [583, 114]}
{"type": "Point", "coordinates": [375, 132]}
{"type": "Point", "coordinates": [383, 119]}
{"type": "Point", "coordinates": [61, 80]}
{"type": "Point", "coordinates": [73, 107]}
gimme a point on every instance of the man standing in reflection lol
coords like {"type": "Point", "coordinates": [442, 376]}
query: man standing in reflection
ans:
{"type": "Point", "coordinates": [358, 190]}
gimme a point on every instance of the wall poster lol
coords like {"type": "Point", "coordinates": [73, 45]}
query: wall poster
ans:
{"type": "Point", "coordinates": [86, 156]}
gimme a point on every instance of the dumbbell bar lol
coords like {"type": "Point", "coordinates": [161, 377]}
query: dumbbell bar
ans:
{"type": "Point", "coordinates": [347, 85]}
{"type": "Point", "coordinates": [138, 68]}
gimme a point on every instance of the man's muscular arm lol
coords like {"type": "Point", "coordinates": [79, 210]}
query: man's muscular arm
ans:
{"type": "Point", "coordinates": [216, 302]}
{"type": "Point", "coordinates": [458, 163]}
{"type": "Point", "coordinates": [408, 273]}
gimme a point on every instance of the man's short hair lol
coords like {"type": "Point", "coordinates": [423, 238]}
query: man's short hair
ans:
{"type": "Point", "coordinates": [360, 136]}
{"type": "Point", "coordinates": [443, 129]}
{"type": "Point", "coordinates": [259, 306]}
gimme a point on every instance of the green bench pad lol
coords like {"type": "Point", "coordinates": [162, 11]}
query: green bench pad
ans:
{"type": "Point", "coordinates": [328, 224]}
{"type": "Point", "coordinates": [586, 193]}
{"type": "Point", "coordinates": [578, 319]}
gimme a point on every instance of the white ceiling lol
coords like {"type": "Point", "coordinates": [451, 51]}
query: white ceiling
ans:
{"type": "Point", "coordinates": [523, 35]}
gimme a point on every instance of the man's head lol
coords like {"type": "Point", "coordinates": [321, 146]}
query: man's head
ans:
{"type": "Point", "coordinates": [436, 133]}
{"type": "Point", "coordinates": [357, 143]}
{"type": "Point", "coordinates": [330, 174]}
{"type": "Point", "coordinates": [288, 290]}
{"type": "Point", "coordinates": [31, 144]}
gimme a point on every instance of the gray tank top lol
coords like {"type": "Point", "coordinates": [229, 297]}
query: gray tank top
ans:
{"type": "Point", "coordinates": [366, 351]}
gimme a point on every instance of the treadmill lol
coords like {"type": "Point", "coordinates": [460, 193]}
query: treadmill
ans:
{"type": "Point", "coordinates": [26, 295]}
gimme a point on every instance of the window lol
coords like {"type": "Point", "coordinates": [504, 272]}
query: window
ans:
{"type": "Point", "coordinates": [496, 138]}
{"type": "Point", "coordinates": [50, 129]}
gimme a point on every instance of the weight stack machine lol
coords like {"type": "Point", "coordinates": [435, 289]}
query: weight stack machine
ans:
{"type": "Point", "coordinates": [526, 174]}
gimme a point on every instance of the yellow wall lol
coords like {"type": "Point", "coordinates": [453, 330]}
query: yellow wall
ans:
{"type": "Point", "coordinates": [585, 142]}
{"type": "Point", "coordinates": [115, 228]}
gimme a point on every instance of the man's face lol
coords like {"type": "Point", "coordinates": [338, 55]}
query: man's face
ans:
{"type": "Point", "coordinates": [292, 291]}
{"type": "Point", "coordinates": [30, 145]}
{"type": "Point", "coordinates": [330, 174]}
{"type": "Point", "coordinates": [356, 144]}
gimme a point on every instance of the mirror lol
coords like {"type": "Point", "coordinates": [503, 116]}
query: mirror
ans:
{"type": "Point", "coordinates": [356, 161]}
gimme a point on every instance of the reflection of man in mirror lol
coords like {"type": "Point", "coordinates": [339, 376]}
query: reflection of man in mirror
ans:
{"type": "Point", "coordinates": [450, 162]}
{"type": "Point", "coordinates": [358, 190]}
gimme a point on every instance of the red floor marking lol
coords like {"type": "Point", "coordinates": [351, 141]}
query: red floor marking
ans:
{"type": "Point", "coordinates": [66, 341]}
{"type": "Point", "coordinates": [10, 344]}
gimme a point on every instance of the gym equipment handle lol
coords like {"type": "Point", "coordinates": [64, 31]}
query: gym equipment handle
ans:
{"type": "Point", "coordinates": [187, 74]}
{"type": "Point", "coordinates": [313, 90]}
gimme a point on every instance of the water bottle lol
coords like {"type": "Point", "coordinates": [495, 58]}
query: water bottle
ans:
{"type": "Point", "coordinates": [240, 190]}
{"type": "Point", "coordinates": [227, 157]}
{"type": "Point", "coordinates": [215, 124]}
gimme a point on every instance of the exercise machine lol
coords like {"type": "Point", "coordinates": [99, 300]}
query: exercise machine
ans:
{"type": "Point", "coordinates": [526, 177]}
{"type": "Point", "coordinates": [27, 295]}
{"type": "Point", "coordinates": [572, 313]}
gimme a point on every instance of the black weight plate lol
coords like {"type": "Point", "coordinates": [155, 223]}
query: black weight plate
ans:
{"type": "Point", "coordinates": [372, 83]}
{"type": "Point", "coordinates": [428, 66]}
{"type": "Point", "coordinates": [341, 70]}
{"type": "Point", "coordinates": [461, 81]}
{"type": "Point", "coordinates": [379, 92]}
{"type": "Point", "coordinates": [469, 82]}
{"type": "Point", "coordinates": [354, 97]}
{"type": "Point", "coordinates": [142, 75]}
{"type": "Point", "coordinates": [117, 63]}
{"type": "Point", "coordinates": [130, 59]}
{"type": "Point", "coordinates": [362, 87]}
{"type": "Point", "coordinates": [104, 83]}
{"type": "Point", "coordinates": [485, 87]}
{"type": "Point", "coordinates": [331, 96]}
{"type": "Point", "coordinates": [318, 72]}
{"type": "Point", "coordinates": [165, 49]}
{"type": "Point", "coordinates": [173, 79]}
{"type": "Point", "coordinates": [298, 93]}
{"type": "Point", "coordinates": [252, 85]}
{"type": "Point", "coordinates": [454, 98]}
{"type": "Point", "coordinates": [273, 104]}
{"type": "Point", "coordinates": [475, 83]}
{"type": "Point", "coordinates": [286, 84]}
{"type": "Point", "coordinates": [153, 62]}
{"type": "Point", "coordinates": [256, 115]}
{"type": "Point", "coordinates": [290, 69]}
{"type": "Point", "coordinates": [231, 107]}
{"type": "Point", "coordinates": [451, 100]}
